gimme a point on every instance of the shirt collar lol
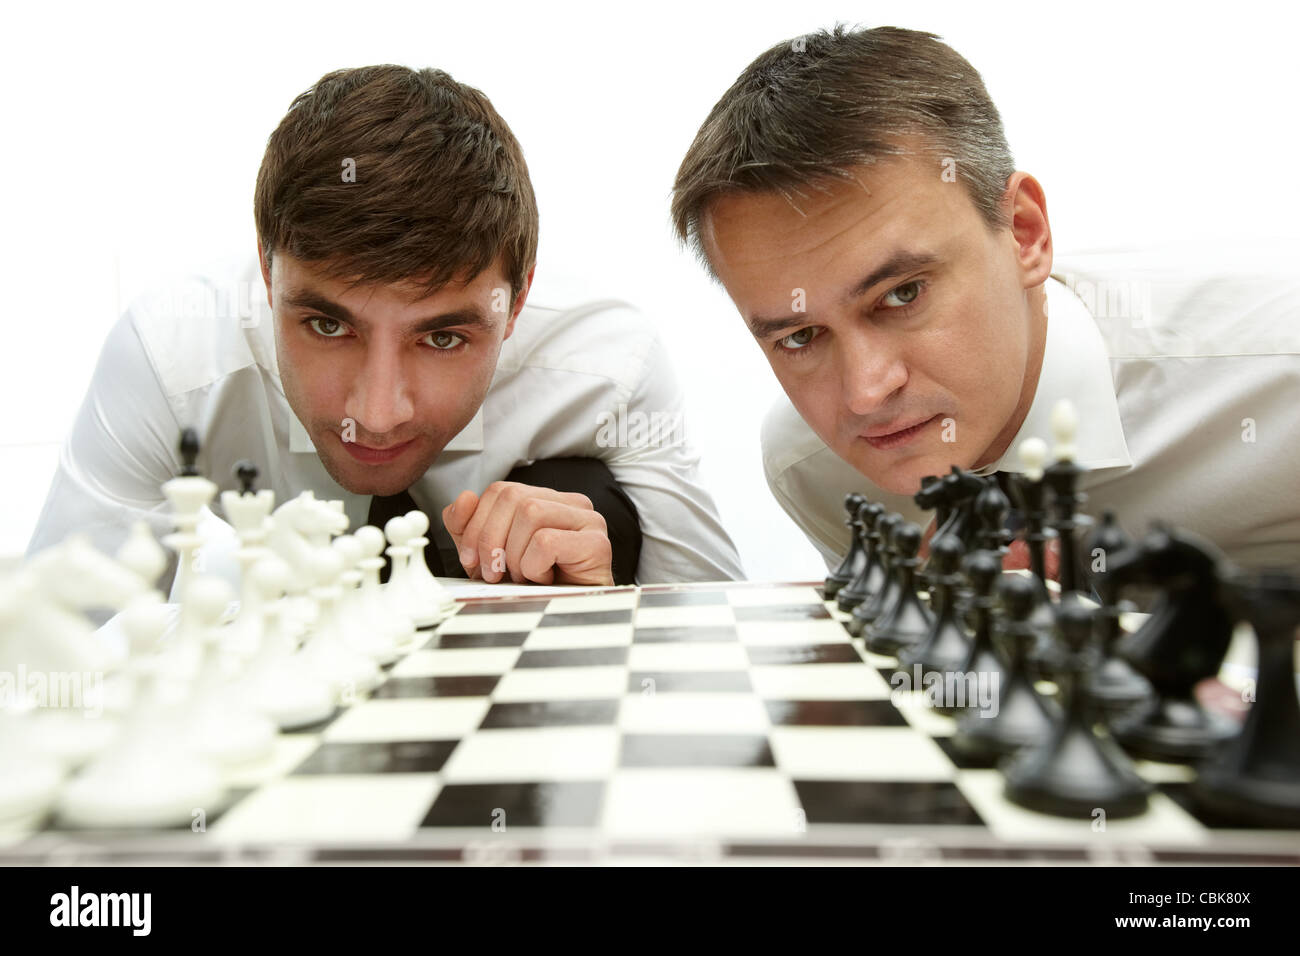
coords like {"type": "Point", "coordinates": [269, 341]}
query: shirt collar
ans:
{"type": "Point", "coordinates": [1076, 366]}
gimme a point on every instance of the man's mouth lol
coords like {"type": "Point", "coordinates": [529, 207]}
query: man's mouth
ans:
{"type": "Point", "coordinates": [376, 456]}
{"type": "Point", "coordinates": [891, 436]}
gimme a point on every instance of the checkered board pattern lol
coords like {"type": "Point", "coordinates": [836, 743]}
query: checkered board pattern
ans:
{"type": "Point", "coordinates": [724, 723]}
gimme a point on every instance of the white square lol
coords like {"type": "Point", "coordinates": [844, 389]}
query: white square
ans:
{"type": "Point", "coordinates": [819, 682]}
{"type": "Point", "coordinates": [289, 751]}
{"type": "Point", "coordinates": [569, 638]}
{"type": "Point", "coordinates": [692, 713]}
{"type": "Point", "coordinates": [791, 632]}
{"type": "Point", "coordinates": [714, 803]}
{"type": "Point", "coordinates": [1164, 823]}
{"type": "Point", "coordinates": [336, 809]}
{"type": "Point", "coordinates": [534, 754]}
{"type": "Point", "coordinates": [561, 683]}
{"type": "Point", "coordinates": [440, 718]}
{"type": "Point", "coordinates": [503, 623]}
{"type": "Point", "coordinates": [760, 596]}
{"type": "Point", "coordinates": [916, 710]}
{"type": "Point", "coordinates": [687, 615]}
{"type": "Point", "coordinates": [858, 753]}
{"type": "Point", "coordinates": [616, 601]}
{"type": "Point", "coordinates": [702, 656]}
{"type": "Point", "coordinates": [454, 662]}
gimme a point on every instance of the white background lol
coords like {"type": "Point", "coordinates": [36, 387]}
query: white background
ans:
{"type": "Point", "coordinates": [132, 135]}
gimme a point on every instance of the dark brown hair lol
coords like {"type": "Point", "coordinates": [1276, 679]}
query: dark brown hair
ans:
{"type": "Point", "coordinates": [809, 109]}
{"type": "Point", "coordinates": [440, 188]}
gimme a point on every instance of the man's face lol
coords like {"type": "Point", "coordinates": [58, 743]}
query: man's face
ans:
{"type": "Point", "coordinates": [383, 381]}
{"type": "Point", "coordinates": [896, 321]}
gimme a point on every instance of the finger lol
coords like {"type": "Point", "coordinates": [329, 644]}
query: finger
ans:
{"type": "Point", "coordinates": [492, 526]}
{"type": "Point", "coordinates": [470, 554]}
{"type": "Point", "coordinates": [457, 514]}
{"type": "Point", "coordinates": [568, 557]}
{"type": "Point", "coordinates": [531, 516]}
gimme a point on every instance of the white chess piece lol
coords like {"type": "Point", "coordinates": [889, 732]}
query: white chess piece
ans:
{"type": "Point", "coordinates": [359, 628]}
{"type": "Point", "coordinates": [249, 512]}
{"type": "Point", "coordinates": [1065, 425]}
{"type": "Point", "coordinates": [326, 652]}
{"type": "Point", "coordinates": [422, 581]}
{"type": "Point", "coordinates": [276, 682]}
{"type": "Point", "coordinates": [146, 779]}
{"type": "Point", "coordinates": [400, 587]}
{"type": "Point", "coordinates": [386, 615]}
{"type": "Point", "coordinates": [1033, 455]}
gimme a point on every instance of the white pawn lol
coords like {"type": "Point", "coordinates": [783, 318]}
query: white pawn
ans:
{"type": "Point", "coordinates": [396, 624]}
{"type": "Point", "coordinates": [146, 779]}
{"type": "Point", "coordinates": [326, 651]}
{"type": "Point", "coordinates": [423, 582]}
{"type": "Point", "coordinates": [291, 695]}
{"type": "Point", "coordinates": [219, 722]}
{"type": "Point", "coordinates": [356, 624]}
{"type": "Point", "coordinates": [400, 589]}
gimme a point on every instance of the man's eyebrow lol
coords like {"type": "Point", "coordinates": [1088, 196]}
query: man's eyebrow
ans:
{"type": "Point", "coordinates": [308, 299]}
{"type": "Point", "coordinates": [899, 264]}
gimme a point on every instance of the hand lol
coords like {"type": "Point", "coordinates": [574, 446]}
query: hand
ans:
{"type": "Point", "coordinates": [532, 534]}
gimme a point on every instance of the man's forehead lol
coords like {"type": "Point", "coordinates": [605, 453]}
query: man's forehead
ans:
{"type": "Point", "coordinates": [341, 280]}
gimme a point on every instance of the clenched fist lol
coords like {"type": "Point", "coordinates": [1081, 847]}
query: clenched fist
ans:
{"type": "Point", "coordinates": [531, 534]}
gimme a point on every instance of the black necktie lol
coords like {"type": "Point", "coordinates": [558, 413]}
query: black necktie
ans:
{"type": "Point", "coordinates": [384, 507]}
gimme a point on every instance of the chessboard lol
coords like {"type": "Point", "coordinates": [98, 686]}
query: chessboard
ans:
{"type": "Point", "coordinates": [724, 724]}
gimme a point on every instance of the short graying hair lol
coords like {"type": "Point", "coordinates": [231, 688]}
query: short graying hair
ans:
{"type": "Point", "coordinates": [809, 109]}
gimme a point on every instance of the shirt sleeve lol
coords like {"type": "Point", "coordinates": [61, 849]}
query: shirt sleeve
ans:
{"type": "Point", "coordinates": [117, 456]}
{"type": "Point", "coordinates": [644, 444]}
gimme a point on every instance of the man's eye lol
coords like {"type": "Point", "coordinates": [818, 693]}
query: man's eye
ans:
{"type": "Point", "coordinates": [444, 340]}
{"type": "Point", "coordinates": [798, 340]}
{"type": "Point", "coordinates": [905, 294]}
{"type": "Point", "coordinates": [327, 328]}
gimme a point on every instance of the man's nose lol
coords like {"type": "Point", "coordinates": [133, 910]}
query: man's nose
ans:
{"type": "Point", "coordinates": [871, 370]}
{"type": "Point", "coordinates": [379, 400]}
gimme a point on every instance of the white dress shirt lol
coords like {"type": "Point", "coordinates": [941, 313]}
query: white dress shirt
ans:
{"type": "Point", "coordinates": [1187, 385]}
{"type": "Point", "coordinates": [202, 354]}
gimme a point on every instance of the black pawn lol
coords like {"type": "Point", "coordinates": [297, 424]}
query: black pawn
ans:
{"type": "Point", "coordinates": [871, 575]}
{"type": "Point", "coordinates": [1182, 642]}
{"type": "Point", "coordinates": [1023, 716]}
{"type": "Point", "coordinates": [189, 448]}
{"type": "Point", "coordinates": [1255, 778]}
{"type": "Point", "coordinates": [1113, 686]}
{"type": "Point", "coordinates": [906, 621]}
{"type": "Point", "coordinates": [991, 509]}
{"type": "Point", "coordinates": [246, 474]}
{"type": "Point", "coordinates": [855, 557]}
{"type": "Point", "coordinates": [1076, 771]}
{"type": "Point", "coordinates": [947, 646]}
{"type": "Point", "coordinates": [882, 596]}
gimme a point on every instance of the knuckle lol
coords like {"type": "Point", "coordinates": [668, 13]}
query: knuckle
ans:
{"type": "Point", "coordinates": [532, 509]}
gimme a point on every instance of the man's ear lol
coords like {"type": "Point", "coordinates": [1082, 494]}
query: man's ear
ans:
{"type": "Point", "coordinates": [264, 261]}
{"type": "Point", "coordinates": [519, 302]}
{"type": "Point", "coordinates": [1027, 207]}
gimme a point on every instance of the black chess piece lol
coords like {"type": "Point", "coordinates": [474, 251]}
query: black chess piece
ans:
{"type": "Point", "coordinates": [1027, 490]}
{"type": "Point", "coordinates": [1022, 716]}
{"type": "Point", "coordinates": [958, 495]}
{"type": "Point", "coordinates": [1255, 777]}
{"type": "Point", "coordinates": [856, 556]}
{"type": "Point", "coordinates": [947, 646]}
{"type": "Point", "coordinates": [1113, 686]}
{"type": "Point", "coordinates": [246, 474]}
{"type": "Point", "coordinates": [906, 620]}
{"type": "Point", "coordinates": [870, 577]}
{"type": "Point", "coordinates": [1182, 642]}
{"type": "Point", "coordinates": [883, 596]}
{"type": "Point", "coordinates": [991, 508]}
{"type": "Point", "coordinates": [1077, 770]}
{"type": "Point", "coordinates": [189, 448]}
{"type": "Point", "coordinates": [1062, 477]}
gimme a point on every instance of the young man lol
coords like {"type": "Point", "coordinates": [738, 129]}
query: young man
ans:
{"type": "Point", "coordinates": [398, 366]}
{"type": "Point", "coordinates": [855, 195]}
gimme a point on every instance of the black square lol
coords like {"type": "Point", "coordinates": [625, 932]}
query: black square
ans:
{"type": "Point", "coordinates": [447, 642]}
{"type": "Point", "coordinates": [392, 756]}
{"type": "Point", "coordinates": [699, 682]}
{"type": "Point", "coordinates": [696, 750]}
{"type": "Point", "coordinates": [568, 804]}
{"type": "Point", "coordinates": [835, 713]}
{"type": "Point", "coordinates": [763, 654]}
{"type": "Point", "coordinates": [573, 657]}
{"type": "Point", "coordinates": [888, 802]}
{"type": "Point", "coordinates": [556, 713]}
{"type": "Point", "coordinates": [783, 612]}
{"type": "Point", "coordinates": [684, 633]}
{"type": "Point", "coordinates": [467, 686]}
{"type": "Point", "coordinates": [682, 598]}
{"type": "Point", "coordinates": [1183, 795]}
{"type": "Point", "coordinates": [582, 618]}
{"type": "Point", "coordinates": [505, 607]}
